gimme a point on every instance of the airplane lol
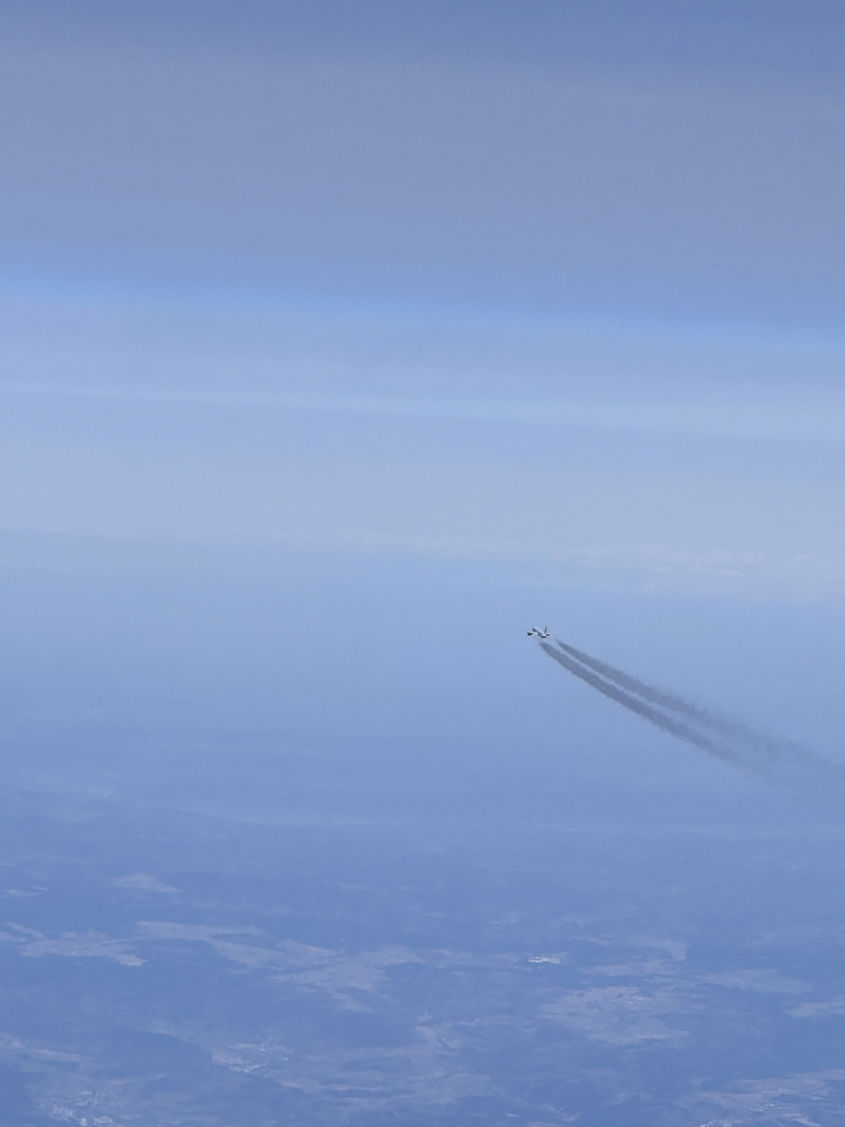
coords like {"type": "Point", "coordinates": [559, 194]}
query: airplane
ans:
{"type": "Point", "coordinates": [544, 633]}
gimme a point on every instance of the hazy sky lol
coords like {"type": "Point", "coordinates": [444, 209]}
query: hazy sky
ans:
{"type": "Point", "coordinates": [445, 312]}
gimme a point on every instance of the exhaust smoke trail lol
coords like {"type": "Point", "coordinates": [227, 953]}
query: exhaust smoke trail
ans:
{"type": "Point", "coordinates": [662, 697]}
{"type": "Point", "coordinates": [736, 732]}
{"type": "Point", "coordinates": [639, 706]}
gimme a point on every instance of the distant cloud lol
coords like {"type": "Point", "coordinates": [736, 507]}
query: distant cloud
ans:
{"type": "Point", "coordinates": [69, 944]}
{"type": "Point", "coordinates": [144, 882]}
{"type": "Point", "coordinates": [833, 1007]}
{"type": "Point", "coordinates": [798, 422]}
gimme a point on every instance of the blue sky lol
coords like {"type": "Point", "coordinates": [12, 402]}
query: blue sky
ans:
{"type": "Point", "coordinates": [518, 308]}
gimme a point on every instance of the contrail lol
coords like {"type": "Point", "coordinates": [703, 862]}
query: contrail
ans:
{"type": "Point", "coordinates": [636, 704]}
{"type": "Point", "coordinates": [663, 697]}
{"type": "Point", "coordinates": [735, 730]}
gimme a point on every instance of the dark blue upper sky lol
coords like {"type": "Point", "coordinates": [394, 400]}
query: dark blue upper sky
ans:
{"type": "Point", "coordinates": [663, 158]}
{"type": "Point", "coordinates": [787, 35]}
